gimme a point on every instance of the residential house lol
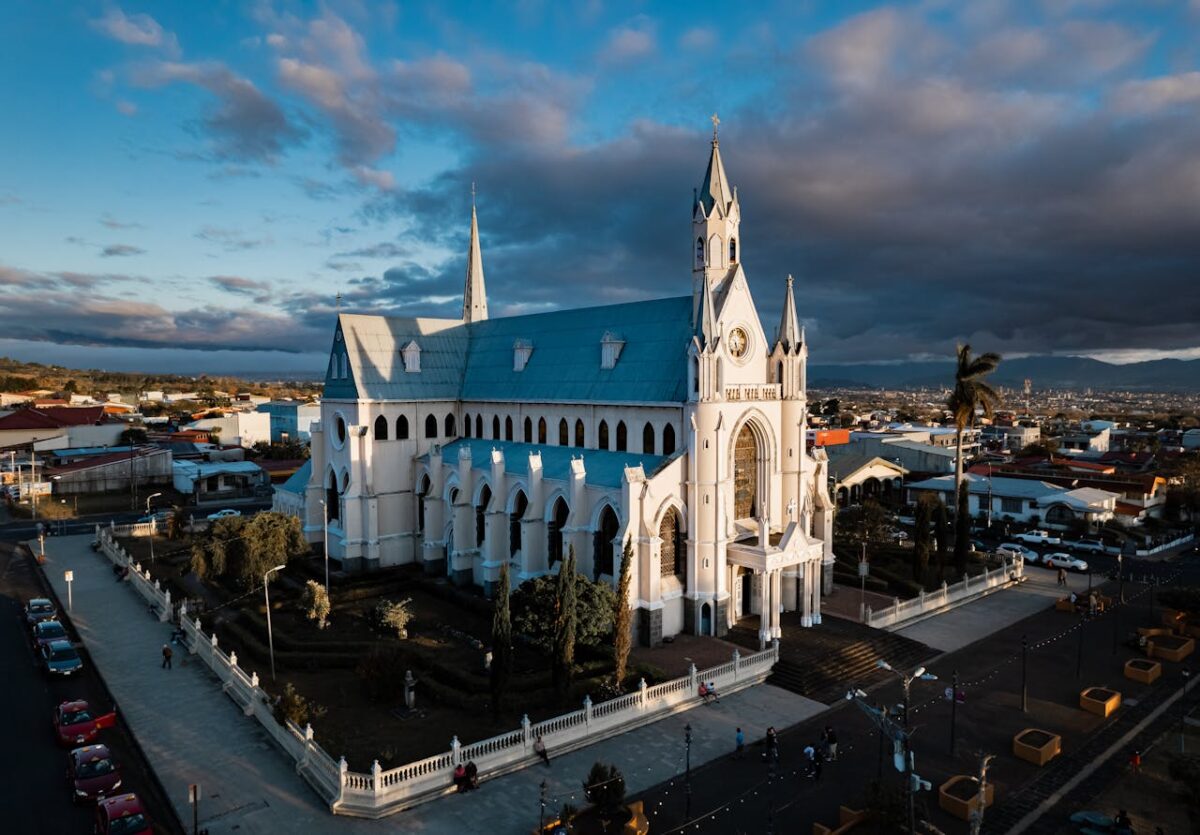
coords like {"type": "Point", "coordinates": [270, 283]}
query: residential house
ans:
{"type": "Point", "coordinates": [291, 419]}
{"type": "Point", "coordinates": [1024, 500]}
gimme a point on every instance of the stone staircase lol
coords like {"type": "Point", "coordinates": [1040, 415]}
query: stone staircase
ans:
{"type": "Point", "coordinates": [823, 662]}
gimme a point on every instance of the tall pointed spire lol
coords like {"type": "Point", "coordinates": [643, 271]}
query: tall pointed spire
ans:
{"type": "Point", "coordinates": [790, 335]}
{"type": "Point", "coordinates": [715, 190]}
{"type": "Point", "coordinates": [474, 294]}
{"type": "Point", "coordinates": [707, 320]}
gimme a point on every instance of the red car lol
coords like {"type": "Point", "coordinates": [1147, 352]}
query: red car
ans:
{"type": "Point", "coordinates": [93, 773]}
{"type": "Point", "coordinates": [76, 724]}
{"type": "Point", "coordinates": [122, 815]}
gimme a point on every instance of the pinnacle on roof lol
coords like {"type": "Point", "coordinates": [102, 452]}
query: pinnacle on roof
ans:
{"type": "Point", "coordinates": [715, 190]}
{"type": "Point", "coordinates": [474, 293]}
{"type": "Point", "coordinates": [790, 334]}
{"type": "Point", "coordinates": [706, 323]}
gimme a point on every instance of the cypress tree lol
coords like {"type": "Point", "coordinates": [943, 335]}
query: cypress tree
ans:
{"type": "Point", "coordinates": [564, 635]}
{"type": "Point", "coordinates": [622, 617]}
{"type": "Point", "coordinates": [502, 651]}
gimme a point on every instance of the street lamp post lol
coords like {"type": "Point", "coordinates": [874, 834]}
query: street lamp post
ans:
{"type": "Point", "coordinates": [1079, 651]}
{"type": "Point", "coordinates": [953, 709]}
{"type": "Point", "coordinates": [1024, 674]}
{"type": "Point", "coordinates": [906, 681]}
{"type": "Point", "coordinates": [267, 598]}
{"type": "Point", "coordinates": [152, 525]}
{"type": "Point", "coordinates": [325, 541]}
{"type": "Point", "coordinates": [687, 743]}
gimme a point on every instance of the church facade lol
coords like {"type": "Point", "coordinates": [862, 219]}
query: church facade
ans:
{"type": "Point", "coordinates": [675, 425]}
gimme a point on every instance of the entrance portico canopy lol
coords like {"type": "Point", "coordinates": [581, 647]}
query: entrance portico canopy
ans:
{"type": "Point", "coordinates": [770, 555]}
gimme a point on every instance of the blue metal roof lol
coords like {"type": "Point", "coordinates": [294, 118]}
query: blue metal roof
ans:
{"type": "Point", "coordinates": [474, 361]}
{"type": "Point", "coordinates": [604, 468]}
{"type": "Point", "coordinates": [298, 480]}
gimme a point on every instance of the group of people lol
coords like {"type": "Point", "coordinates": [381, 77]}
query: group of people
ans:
{"type": "Point", "coordinates": [466, 777]}
{"type": "Point", "coordinates": [1092, 603]}
{"type": "Point", "coordinates": [708, 692]}
{"type": "Point", "coordinates": [815, 756]}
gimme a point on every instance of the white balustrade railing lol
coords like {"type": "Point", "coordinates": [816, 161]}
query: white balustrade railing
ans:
{"type": "Point", "coordinates": [381, 793]}
{"type": "Point", "coordinates": [900, 612]}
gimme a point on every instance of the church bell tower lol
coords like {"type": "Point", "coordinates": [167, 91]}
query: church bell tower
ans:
{"type": "Point", "coordinates": [716, 215]}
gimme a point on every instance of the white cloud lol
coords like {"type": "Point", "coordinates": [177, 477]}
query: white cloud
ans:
{"type": "Point", "coordinates": [627, 44]}
{"type": "Point", "coordinates": [1145, 96]}
{"type": "Point", "coordinates": [697, 38]}
{"type": "Point", "coordinates": [135, 30]}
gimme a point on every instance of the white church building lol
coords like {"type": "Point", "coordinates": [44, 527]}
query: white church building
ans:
{"type": "Point", "coordinates": [675, 424]}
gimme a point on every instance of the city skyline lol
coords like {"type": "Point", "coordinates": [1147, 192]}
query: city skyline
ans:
{"type": "Point", "coordinates": [1002, 173]}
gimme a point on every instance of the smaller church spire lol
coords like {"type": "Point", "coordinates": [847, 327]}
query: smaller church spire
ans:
{"type": "Point", "coordinates": [707, 321]}
{"type": "Point", "coordinates": [715, 189]}
{"type": "Point", "coordinates": [474, 294]}
{"type": "Point", "coordinates": [790, 334]}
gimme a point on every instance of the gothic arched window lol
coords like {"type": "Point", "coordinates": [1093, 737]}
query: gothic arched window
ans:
{"type": "Point", "coordinates": [554, 534]}
{"type": "Point", "coordinates": [541, 430]}
{"type": "Point", "coordinates": [733, 250]}
{"type": "Point", "coordinates": [578, 432]}
{"type": "Point", "coordinates": [430, 427]}
{"type": "Point", "coordinates": [602, 432]}
{"type": "Point", "coordinates": [332, 499]}
{"type": "Point", "coordinates": [648, 438]}
{"type": "Point", "coordinates": [450, 433]}
{"type": "Point", "coordinates": [622, 437]}
{"type": "Point", "coordinates": [508, 429]}
{"type": "Point", "coordinates": [485, 498]}
{"type": "Point", "coordinates": [604, 548]}
{"type": "Point", "coordinates": [520, 504]}
{"type": "Point", "coordinates": [402, 428]}
{"type": "Point", "coordinates": [495, 427]}
{"type": "Point", "coordinates": [563, 439]}
{"type": "Point", "coordinates": [673, 550]}
{"type": "Point", "coordinates": [668, 439]}
{"type": "Point", "coordinates": [528, 431]}
{"type": "Point", "coordinates": [467, 425]}
{"type": "Point", "coordinates": [699, 252]}
{"type": "Point", "coordinates": [478, 426]}
{"type": "Point", "coordinates": [745, 475]}
{"type": "Point", "coordinates": [381, 427]}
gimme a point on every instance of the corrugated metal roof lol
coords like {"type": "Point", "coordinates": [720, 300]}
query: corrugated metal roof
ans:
{"type": "Point", "coordinates": [298, 481]}
{"type": "Point", "coordinates": [475, 361]}
{"type": "Point", "coordinates": [604, 468]}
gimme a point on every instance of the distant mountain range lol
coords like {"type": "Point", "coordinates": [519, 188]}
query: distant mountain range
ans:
{"type": "Point", "coordinates": [1044, 371]}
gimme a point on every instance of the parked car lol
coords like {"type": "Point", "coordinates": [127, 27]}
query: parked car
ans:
{"type": "Point", "coordinates": [60, 658]}
{"type": "Point", "coordinates": [898, 536]}
{"type": "Point", "coordinates": [39, 609]}
{"type": "Point", "coordinates": [159, 516]}
{"type": "Point", "coordinates": [1012, 549]}
{"type": "Point", "coordinates": [76, 724]}
{"type": "Point", "coordinates": [223, 514]}
{"type": "Point", "coordinates": [47, 631]}
{"type": "Point", "coordinates": [1038, 537]}
{"type": "Point", "coordinates": [1061, 560]}
{"type": "Point", "coordinates": [122, 815]}
{"type": "Point", "coordinates": [1095, 546]}
{"type": "Point", "coordinates": [93, 773]}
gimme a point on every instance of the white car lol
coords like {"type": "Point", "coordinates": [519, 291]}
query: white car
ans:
{"type": "Point", "coordinates": [1038, 537]}
{"type": "Point", "coordinates": [1061, 560]}
{"type": "Point", "coordinates": [1012, 549]}
{"type": "Point", "coordinates": [223, 514]}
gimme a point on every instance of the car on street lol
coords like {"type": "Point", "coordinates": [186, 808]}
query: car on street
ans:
{"type": "Point", "coordinates": [47, 631]}
{"type": "Point", "coordinates": [898, 535]}
{"type": "Point", "coordinates": [223, 514]}
{"type": "Point", "coordinates": [75, 723]}
{"type": "Point", "coordinates": [93, 773]}
{"type": "Point", "coordinates": [122, 815]}
{"type": "Point", "coordinates": [1038, 537]}
{"type": "Point", "coordinates": [1013, 549]}
{"type": "Point", "coordinates": [1096, 546]}
{"type": "Point", "coordinates": [39, 609]}
{"type": "Point", "coordinates": [159, 516]}
{"type": "Point", "coordinates": [60, 658]}
{"type": "Point", "coordinates": [1061, 560]}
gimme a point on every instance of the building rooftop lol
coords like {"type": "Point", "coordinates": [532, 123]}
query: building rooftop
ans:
{"type": "Point", "coordinates": [604, 468]}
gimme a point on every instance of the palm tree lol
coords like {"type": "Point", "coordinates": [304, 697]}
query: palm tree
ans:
{"type": "Point", "coordinates": [971, 393]}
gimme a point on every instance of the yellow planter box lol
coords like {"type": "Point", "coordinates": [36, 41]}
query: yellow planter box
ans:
{"type": "Point", "coordinates": [959, 796]}
{"type": "Point", "coordinates": [1142, 670]}
{"type": "Point", "coordinates": [1100, 701]}
{"type": "Point", "coordinates": [1170, 647]}
{"type": "Point", "coordinates": [1036, 746]}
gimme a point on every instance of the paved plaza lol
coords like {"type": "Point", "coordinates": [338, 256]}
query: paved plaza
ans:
{"type": "Point", "coordinates": [193, 733]}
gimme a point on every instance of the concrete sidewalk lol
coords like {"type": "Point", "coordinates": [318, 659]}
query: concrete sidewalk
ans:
{"type": "Point", "coordinates": [193, 733]}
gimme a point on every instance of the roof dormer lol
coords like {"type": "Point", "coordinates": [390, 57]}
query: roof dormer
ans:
{"type": "Point", "coordinates": [522, 349]}
{"type": "Point", "coordinates": [411, 354]}
{"type": "Point", "coordinates": [610, 349]}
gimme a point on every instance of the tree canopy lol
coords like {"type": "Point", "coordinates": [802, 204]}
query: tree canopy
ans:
{"type": "Point", "coordinates": [534, 614]}
{"type": "Point", "coordinates": [243, 548]}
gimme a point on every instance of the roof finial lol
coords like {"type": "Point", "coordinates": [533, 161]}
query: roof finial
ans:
{"type": "Point", "coordinates": [716, 120]}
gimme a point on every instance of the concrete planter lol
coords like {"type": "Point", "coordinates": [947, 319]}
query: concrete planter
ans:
{"type": "Point", "coordinates": [1036, 746]}
{"type": "Point", "coordinates": [1170, 647]}
{"type": "Point", "coordinates": [1142, 670]}
{"type": "Point", "coordinates": [959, 796]}
{"type": "Point", "coordinates": [1100, 701]}
{"type": "Point", "coordinates": [847, 820]}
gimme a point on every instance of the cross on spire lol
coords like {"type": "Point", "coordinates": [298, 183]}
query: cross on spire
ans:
{"type": "Point", "coordinates": [472, 192]}
{"type": "Point", "coordinates": [716, 120]}
{"type": "Point", "coordinates": [338, 300]}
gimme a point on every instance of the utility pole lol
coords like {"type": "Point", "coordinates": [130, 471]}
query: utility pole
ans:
{"type": "Point", "coordinates": [953, 709]}
{"type": "Point", "coordinates": [542, 804]}
{"type": "Point", "coordinates": [985, 761]}
{"type": "Point", "coordinates": [1024, 674]}
{"type": "Point", "coordinates": [687, 741]}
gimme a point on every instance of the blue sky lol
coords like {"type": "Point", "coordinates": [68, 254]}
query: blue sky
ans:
{"type": "Point", "coordinates": [188, 185]}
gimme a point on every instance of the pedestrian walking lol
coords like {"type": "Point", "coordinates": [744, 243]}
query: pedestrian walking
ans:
{"type": "Point", "coordinates": [166, 655]}
{"type": "Point", "coordinates": [771, 755]}
{"type": "Point", "coordinates": [1062, 576]}
{"type": "Point", "coordinates": [830, 740]}
{"type": "Point", "coordinates": [539, 748]}
{"type": "Point", "coordinates": [740, 741]}
{"type": "Point", "coordinates": [818, 759]}
{"type": "Point", "coordinates": [1135, 761]}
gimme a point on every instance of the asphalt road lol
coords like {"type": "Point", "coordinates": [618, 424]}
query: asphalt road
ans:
{"type": "Point", "coordinates": [33, 770]}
